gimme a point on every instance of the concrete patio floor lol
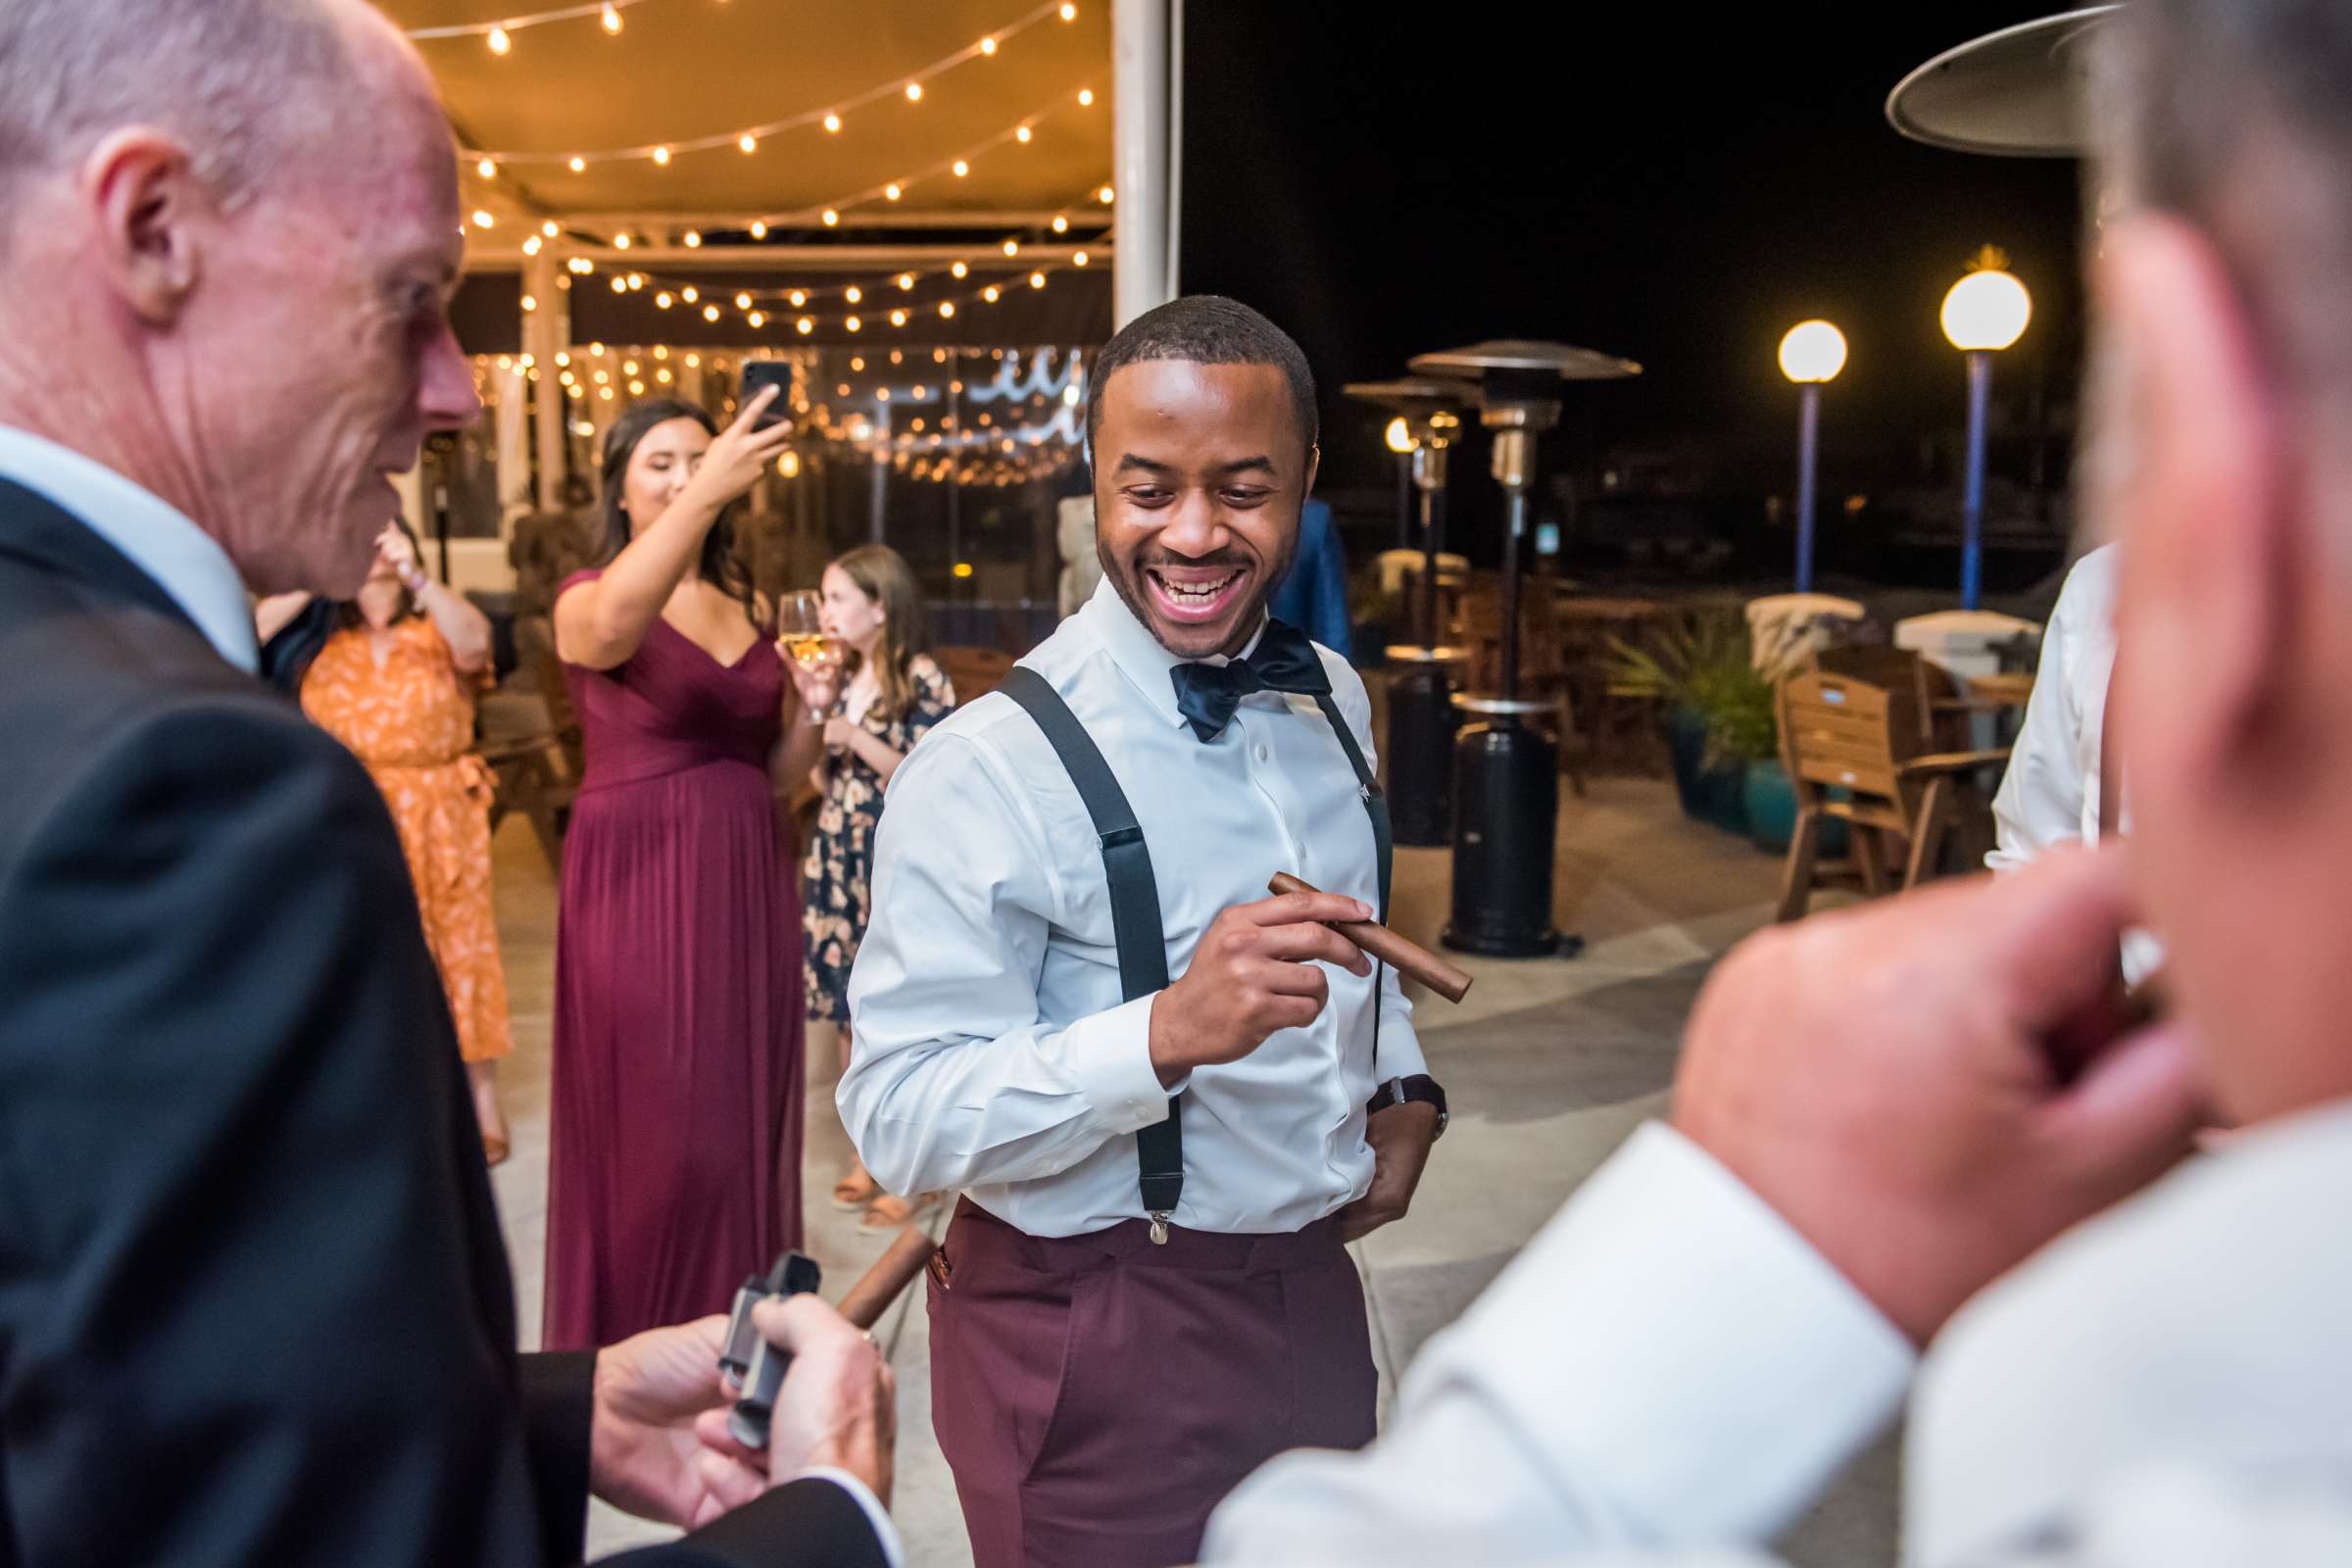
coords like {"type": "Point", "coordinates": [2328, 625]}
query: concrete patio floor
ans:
{"type": "Point", "coordinates": [1549, 1063]}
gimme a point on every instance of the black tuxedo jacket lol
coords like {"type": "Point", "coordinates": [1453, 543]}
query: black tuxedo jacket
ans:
{"type": "Point", "coordinates": [254, 1307]}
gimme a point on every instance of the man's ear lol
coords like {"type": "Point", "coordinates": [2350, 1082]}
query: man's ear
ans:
{"type": "Point", "coordinates": [146, 203]}
{"type": "Point", "coordinates": [2216, 557]}
{"type": "Point", "coordinates": [1315, 461]}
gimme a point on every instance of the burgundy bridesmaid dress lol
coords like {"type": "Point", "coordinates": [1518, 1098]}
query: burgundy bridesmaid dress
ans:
{"type": "Point", "coordinates": [676, 1167]}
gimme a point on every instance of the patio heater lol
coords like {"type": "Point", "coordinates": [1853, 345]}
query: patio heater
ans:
{"type": "Point", "coordinates": [1507, 771]}
{"type": "Point", "coordinates": [1419, 749]}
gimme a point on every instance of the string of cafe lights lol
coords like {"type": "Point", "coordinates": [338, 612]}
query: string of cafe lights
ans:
{"type": "Point", "coordinates": [499, 34]}
{"type": "Point", "coordinates": [746, 140]}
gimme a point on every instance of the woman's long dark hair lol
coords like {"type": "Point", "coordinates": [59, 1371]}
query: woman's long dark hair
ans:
{"type": "Point", "coordinates": [718, 565]}
{"type": "Point", "coordinates": [347, 611]}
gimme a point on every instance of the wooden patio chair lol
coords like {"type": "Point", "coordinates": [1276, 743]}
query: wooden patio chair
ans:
{"type": "Point", "coordinates": [538, 764]}
{"type": "Point", "coordinates": [1864, 721]}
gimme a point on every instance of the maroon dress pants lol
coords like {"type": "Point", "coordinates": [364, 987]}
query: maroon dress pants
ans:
{"type": "Point", "coordinates": [1096, 1396]}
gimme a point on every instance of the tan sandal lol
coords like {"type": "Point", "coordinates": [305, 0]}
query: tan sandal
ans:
{"type": "Point", "coordinates": [890, 1214]}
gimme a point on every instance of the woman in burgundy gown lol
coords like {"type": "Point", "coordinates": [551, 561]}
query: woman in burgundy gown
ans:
{"type": "Point", "coordinates": [677, 1095]}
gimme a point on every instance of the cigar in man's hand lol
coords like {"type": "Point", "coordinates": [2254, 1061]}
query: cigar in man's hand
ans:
{"type": "Point", "coordinates": [1407, 959]}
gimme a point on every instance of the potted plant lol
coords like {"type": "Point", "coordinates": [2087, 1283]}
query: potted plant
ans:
{"type": "Point", "coordinates": [1687, 663]}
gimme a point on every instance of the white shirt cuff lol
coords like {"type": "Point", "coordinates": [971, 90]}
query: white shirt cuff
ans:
{"type": "Point", "coordinates": [884, 1530]}
{"type": "Point", "coordinates": [1669, 1340]}
{"type": "Point", "coordinates": [1111, 1053]}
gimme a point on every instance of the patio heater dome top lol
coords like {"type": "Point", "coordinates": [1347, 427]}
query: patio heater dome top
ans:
{"type": "Point", "coordinates": [1411, 396]}
{"type": "Point", "coordinates": [1510, 358]}
{"type": "Point", "coordinates": [2015, 93]}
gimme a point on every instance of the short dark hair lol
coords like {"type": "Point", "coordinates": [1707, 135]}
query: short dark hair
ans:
{"type": "Point", "coordinates": [1204, 329]}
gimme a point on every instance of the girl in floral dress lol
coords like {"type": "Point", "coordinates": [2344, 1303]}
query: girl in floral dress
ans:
{"type": "Point", "coordinates": [891, 694]}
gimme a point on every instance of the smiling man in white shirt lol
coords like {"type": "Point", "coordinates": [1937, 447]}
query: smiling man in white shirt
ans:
{"type": "Point", "coordinates": [1169, 1099]}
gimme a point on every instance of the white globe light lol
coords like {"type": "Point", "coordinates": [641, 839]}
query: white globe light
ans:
{"type": "Point", "coordinates": [1987, 310]}
{"type": "Point", "coordinates": [1813, 351]}
{"type": "Point", "coordinates": [1399, 436]}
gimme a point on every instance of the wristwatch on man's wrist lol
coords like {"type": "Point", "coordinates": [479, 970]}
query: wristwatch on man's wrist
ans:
{"type": "Point", "coordinates": [1420, 1088]}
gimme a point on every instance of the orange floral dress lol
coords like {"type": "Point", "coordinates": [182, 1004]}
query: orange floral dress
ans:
{"type": "Point", "coordinates": [411, 723]}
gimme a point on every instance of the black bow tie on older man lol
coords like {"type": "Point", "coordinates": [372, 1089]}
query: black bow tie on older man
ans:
{"type": "Point", "coordinates": [1284, 661]}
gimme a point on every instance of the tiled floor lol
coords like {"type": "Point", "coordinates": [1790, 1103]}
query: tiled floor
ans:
{"type": "Point", "coordinates": [1549, 1065]}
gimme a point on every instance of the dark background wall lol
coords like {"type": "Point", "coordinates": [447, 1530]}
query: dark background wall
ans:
{"type": "Point", "coordinates": [1677, 185]}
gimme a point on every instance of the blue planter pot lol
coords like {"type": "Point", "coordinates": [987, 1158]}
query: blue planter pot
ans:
{"type": "Point", "coordinates": [1687, 747]}
{"type": "Point", "coordinates": [1722, 797]}
{"type": "Point", "coordinates": [1772, 810]}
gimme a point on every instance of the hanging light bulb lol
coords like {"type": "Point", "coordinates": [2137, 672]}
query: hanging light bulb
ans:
{"type": "Point", "coordinates": [892, 192]}
{"type": "Point", "coordinates": [662, 156]}
{"type": "Point", "coordinates": [620, 286]}
{"type": "Point", "coordinates": [529, 303]}
{"type": "Point", "coordinates": [1104, 195]}
{"type": "Point", "coordinates": [853, 293]}
{"type": "Point", "coordinates": [832, 218]}
{"type": "Point", "coordinates": [1086, 97]}
{"type": "Point", "coordinates": [620, 242]}
{"type": "Point", "coordinates": [579, 165]}
{"type": "Point", "coordinates": [486, 168]}
{"type": "Point", "coordinates": [743, 302]}
{"type": "Point", "coordinates": [1012, 247]}
{"type": "Point", "coordinates": [959, 270]}
{"type": "Point", "coordinates": [800, 298]}
{"type": "Point", "coordinates": [1037, 281]}
{"type": "Point", "coordinates": [1061, 224]}
{"type": "Point", "coordinates": [758, 229]}
{"type": "Point", "coordinates": [500, 43]}
{"type": "Point", "coordinates": [549, 229]}
{"type": "Point", "coordinates": [905, 281]}
{"type": "Point", "coordinates": [532, 245]}
{"type": "Point", "coordinates": [1024, 135]}
{"type": "Point", "coordinates": [710, 312]}
{"type": "Point", "coordinates": [898, 318]}
{"type": "Point", "coordinates": [914, 92]}
{"type": "Point", "coordinates": [482, 219]}
{"type": "Point", "coordinates": [851, 322]}
{"type": "Point", "coordinates": [806, 325]}
{"type": "Point", "coordinates": [636, 281]}
{"type": "Point", "coordinates": [991, 293]}
{"type": "Point", "coordinates": [694, 239]}
{"type": "Point", "coordinates": [987, 45]}
{"type": "Point", "coordinates": [661, 301]}
{"type": "Point", "coordinates": [947, 308]}
{"type": "Point", "coordinates": [747, 142]}
{"type": "Point", "coordinates": [833, 123]}
{"type": "Point", "coordinates": [962, 168]}
{"type": "Point", "coordinates": [1078, 259]}
{"type": "Point", "coordinates": [1069, 12]}
{"type": "Point", "coordinates": [611, 16]}
{"type": "Point", "coordinates": [757, 318]}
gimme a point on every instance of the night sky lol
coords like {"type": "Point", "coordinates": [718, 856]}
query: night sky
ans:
{"type": "Point", "coordinates": [1678, 184]}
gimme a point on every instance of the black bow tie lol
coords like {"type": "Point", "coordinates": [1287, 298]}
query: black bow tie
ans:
{"type": "Point", "coordinates": [1284, 661]}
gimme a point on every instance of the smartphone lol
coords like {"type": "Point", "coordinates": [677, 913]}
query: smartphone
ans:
{"type": "Point", "coordinates": [761, 1366]}
{"type": "Point", "coordinates": [777, 373]}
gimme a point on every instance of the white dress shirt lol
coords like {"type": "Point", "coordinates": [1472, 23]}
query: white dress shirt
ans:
{"type": "Point", "coordinates": [2053, 791]}
{"type": "Point", "coordinates": [1668, 1375]}
{"type": "Point", "coordinates": [993, 1050]}
{"type": "Point", "coordinates": [2050, 795]}
{"type": "Point", "coordinates": [155, 535]}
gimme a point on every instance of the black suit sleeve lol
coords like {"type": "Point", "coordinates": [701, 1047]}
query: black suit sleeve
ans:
{"type": "Point", "coordinates": [559, 1400]}
{"type": "Point", "coordinates": [248, 1310]}
{"type": "Point", "coordinates": [810, 1523]}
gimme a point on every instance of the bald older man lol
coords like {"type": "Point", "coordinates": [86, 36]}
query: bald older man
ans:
{"type": "Point", "coordinates": [252, 1304]}
{"type": "Point", "coordinates": [1909, 1126]}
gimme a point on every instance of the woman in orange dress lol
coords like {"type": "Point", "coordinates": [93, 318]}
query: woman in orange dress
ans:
{"type": "Point", "coordinates": [396, 682]}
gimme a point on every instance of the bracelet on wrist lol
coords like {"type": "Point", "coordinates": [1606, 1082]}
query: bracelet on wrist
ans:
{"type": "Point", "coordinates": [415, 580]}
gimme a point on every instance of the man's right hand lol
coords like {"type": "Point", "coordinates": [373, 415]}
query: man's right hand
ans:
{"type": "Point", "coordinates": [837, 1409]}
{"type": "Point", "coordinates": [1928, 1090]}
{"type": "Point", "coordinates": [1254, 973]}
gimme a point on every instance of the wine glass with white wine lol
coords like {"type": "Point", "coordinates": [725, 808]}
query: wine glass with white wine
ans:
{"type": "Point", "coordinates": [800, 628]}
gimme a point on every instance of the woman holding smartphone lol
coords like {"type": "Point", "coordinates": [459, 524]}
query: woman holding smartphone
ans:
{"type": "Point", "coordinates": [676, 1120]}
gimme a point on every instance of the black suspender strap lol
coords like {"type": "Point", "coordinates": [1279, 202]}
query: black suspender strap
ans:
{"type": "Point", "coordinates": [1384, 841]}
{"type": "Point", "coordinates": [1134, 912]}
